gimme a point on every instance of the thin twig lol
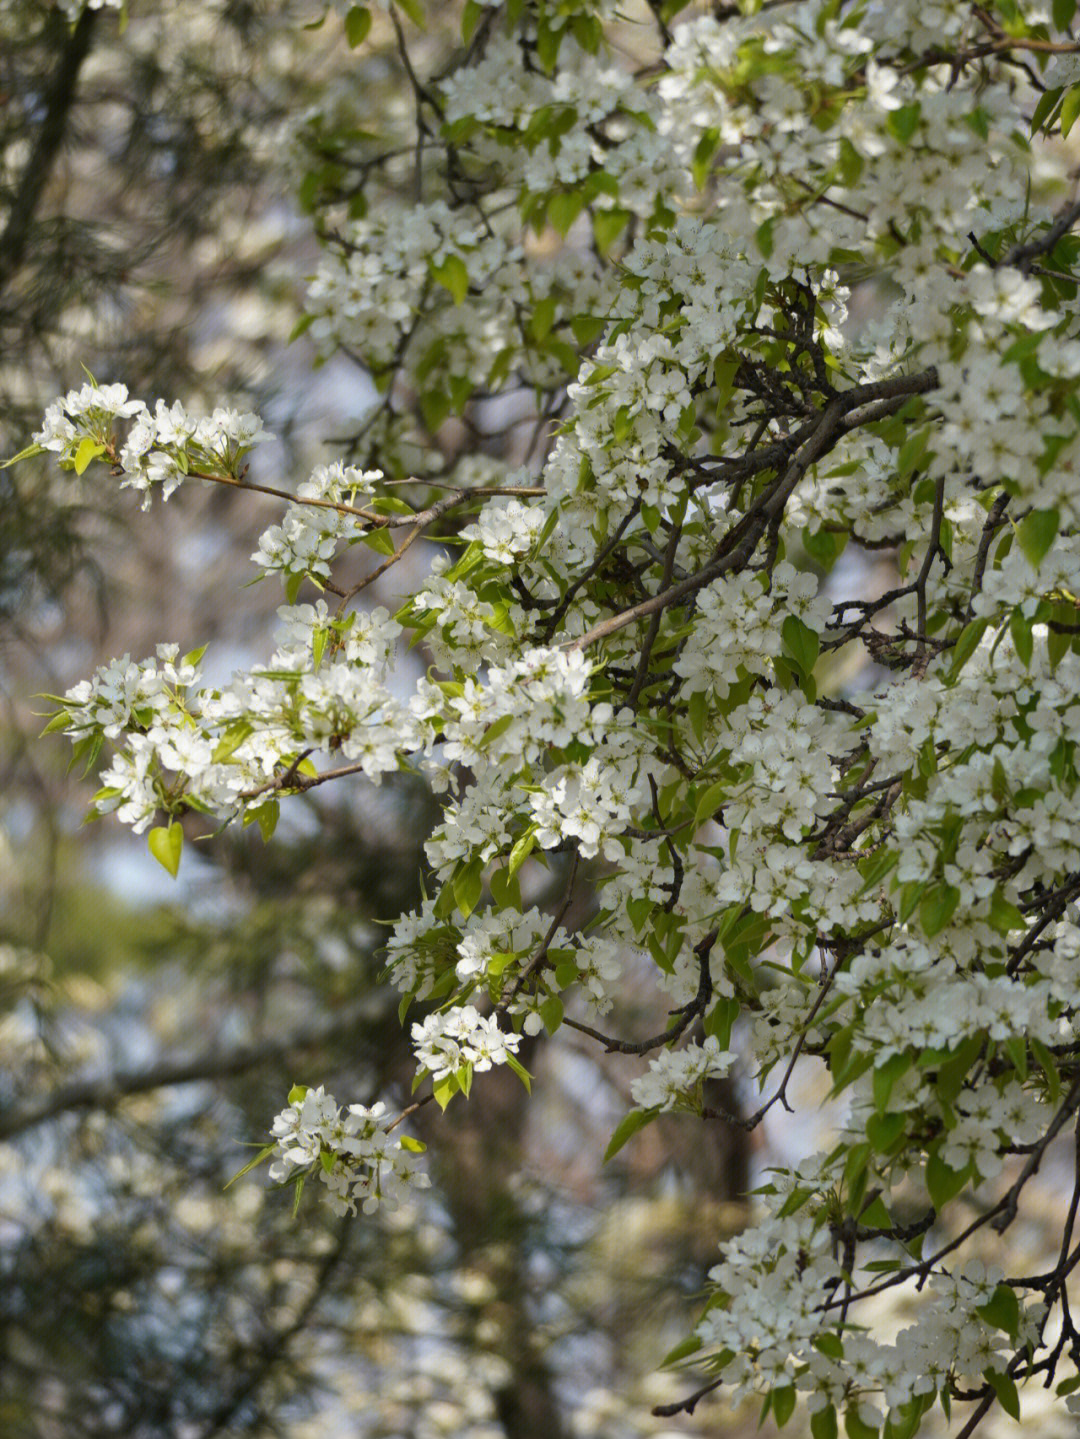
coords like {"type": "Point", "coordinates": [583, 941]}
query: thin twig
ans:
{"type": "Point", "coordinates": [537, 961]}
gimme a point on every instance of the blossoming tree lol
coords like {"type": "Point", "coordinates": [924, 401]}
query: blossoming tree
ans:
{"type": "Point", "coordinates": [771, 290]}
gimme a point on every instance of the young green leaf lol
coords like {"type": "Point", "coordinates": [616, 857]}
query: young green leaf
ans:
{"type": "Point", "coordinates": [166, 842]}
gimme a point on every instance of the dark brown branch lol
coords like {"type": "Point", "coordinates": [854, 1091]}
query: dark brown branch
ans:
{"type": "Point", "coordinates": [58, 100]}
{"type": "Point", "coordinates": [687, 1014]}
{"type": "Point", "coordinates": [537, 961]}
{"type": "Point", "coordinates": [107, 1092]}
{"type": "Point", "coordinates": [928, 564]}
{"type": "Point", "coordinates": [689, 1404]}
{"type": "Point", "coordinates": [655, 622]}
{"type": "Point", "coordinates": [1020, 256]}
{"type": "Point", "coordinates": [1008, 1206]}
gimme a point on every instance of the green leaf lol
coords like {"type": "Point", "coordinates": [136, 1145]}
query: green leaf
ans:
{"type": "Point", "coordinates": [967, 644]}
{"type": "Point", "coordinates": [548, 41]}
{"type": "Point", "coordinates": [1070, 109]}
{"type": "Point", "coordinates": [1005, 1389]}
{"type": "Point", "coordinates": [444, 1090]}
{"type": "Point", "coordinates": [230, 741]}
{"type": "Point", "coordinates": [911, 452]}
{"type": "Point", "coordinates": [937, 907]}
{"type": "Point", "coordinates": [453, 276]}
{"type": "Point", "coordinates": [470, 19]}
{"type": "Point", "coordinates": [903, 1420]}
{"type": "Point", "coordinates": [783, 1404]}
{"type": "Point", "coordinates": [720, 1020]}
{"type": "Point", "coordinates": [704, 151]}
{"type": "Point", "coordinates": [875, 867]}
{"type": "Point", "coordinates": [297, 1094]}
{"type": "Point", "coordinates": [698, 714]}
{"type": "Point", "coordinates": [587, 32]}
{"type": "Point", "coordinates": [823, 1423]}
{"type": "Point", "coordinates": [565, 353]}
{"type": "Point", "coordinates": [903, 123]}
{"type": "Point", "coordinates": [587, 328]}
{"type": "Point", "coordinates": [551, 1012]}
{"type": "Point", "coordinates": [1002, 1310]}
{"type": "Point", "coordinates": [1037, 531]}
{"type": "Point", "coordinates": [563, 210]}
{"type": "Point", "coordinates": [414, 10]}
{"type": "Point", "coordinates": [709, 801]}
{"type": "Point", "coordinates": [88, 748]}
{"type": "Point", "coordinates": [853, 1425]}
{"type": "Point", "coordinates": [1016, 1049]}
{"type": "Point", "coordinates": [801, 642]}
{"type": "Point", "coordinates": [357, 25]}
{"type": "Point", "coordinates": [608, 225]}
{"type": "Point", "coordinates": [542, 318]}
{"type": "Point", "coordinates": [380, 539]}
{"type": "Point", "coordinates": [855, 1176]}
{"type": "Point", "coordinates": [520, 1070]}
{"type": "Point", "coordinates": [262, 1155]}
{"type": "Point", "coordinates": [1048, 103]}
{"type": "Point", "coordinates": [1057, 641]}
{"type": "Point", "coordinates": [829, 1343]}
{"type": "Point", "coordinates": [27, 454]}
{"type": "Point", "coordinates": [58, 722]}
{"type": "Point", "coordinates": [823, 546]}
{"type": "Point", "coordinates": [626, 1128]}
{"type": "Point", "coordinates": [942, 1182]}
{"type": "Point", "coordinates": [435, 405]}
{"type": "Point", "coordinates": [165, 844]}
{"type": "Point", "coordinates": [505, 889]}
{"type": "Point", "coordinates": [953, 1069]}
{"type": "Point", "coordinates": [683, 1350]}
{"type": "Point", "coordinates": [910, 893]}
{"type": "Point", "coordinates": [1004, 916]}
{"type": "Point", "coordinates": [414, 1146]}
{"type": "Point", "coordinates": [88, 450]}
{"type": "Point", "coordinates": [639, 908]}
{"type": "Point", "coordinates": [1062, 12]}
{"type": "Point", "coordinates": [622, 424]}
{"type": "Point", "coordinates": [883, 1130]}
{"type": "Point", "coordinates": [875, 1215]}
{"type": "Point", "coordinates": [521, 851]}
{"type": "Point", "coordinates": [1020, 630]}
{"type": "Point", "coordinates": [468, 886]}
{"type": "Point", "coordinates": [850, 163]}
{"type": "Point", "coordinates": [885, 1076]}
{"type": "Point", "coordinates": [266, 817]}
{"type": "Point", "coordinates": [1045, 1060]}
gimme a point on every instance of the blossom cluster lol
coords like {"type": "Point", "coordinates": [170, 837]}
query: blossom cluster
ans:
{"type": "Point", "coordinates": [350, 1151]}
{"type": "Point", "coordinates": [162, 447]}
{"type": "Point", "coordinates": [462, 1036]}
{"type": "Point", "coordinates": [783, 1278]}
{"type": "Point", "coordinates": [675, 1076]}
{"type": "Point", "coordinates": [306, 540]}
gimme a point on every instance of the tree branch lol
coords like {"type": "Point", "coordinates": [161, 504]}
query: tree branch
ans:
{"type": "Point", "coordinates": [58, 100]}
